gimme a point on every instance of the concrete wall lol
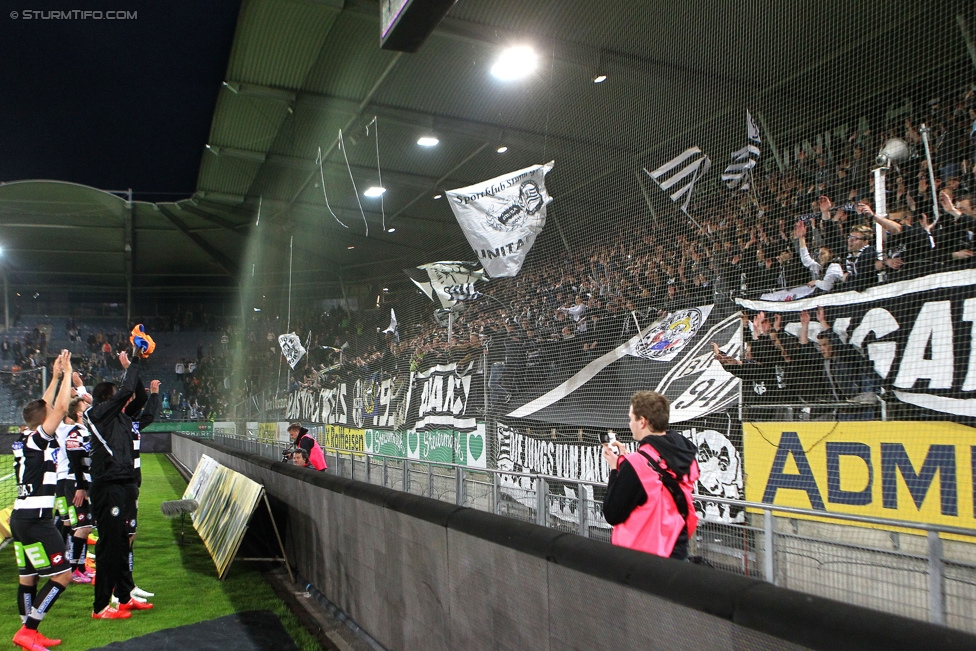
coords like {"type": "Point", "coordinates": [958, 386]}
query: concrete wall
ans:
{"type": "Point", "coordinates": [416, 573]}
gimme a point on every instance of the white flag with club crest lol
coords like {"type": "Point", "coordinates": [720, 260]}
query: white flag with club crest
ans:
{"type": "Point", "coordinates": [503, 216]}
{"type": "Point", "coordinates": [291, 348]}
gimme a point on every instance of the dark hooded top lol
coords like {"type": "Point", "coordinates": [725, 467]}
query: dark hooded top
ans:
{"type": "Point", "coordinates": [625, 492]}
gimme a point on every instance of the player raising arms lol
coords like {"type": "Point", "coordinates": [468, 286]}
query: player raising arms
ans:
{"type": "Point", "coordinates": [38, 545]}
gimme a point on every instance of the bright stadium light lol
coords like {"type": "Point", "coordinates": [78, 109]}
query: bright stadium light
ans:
{"type": "Point", "coordinates": [428, 141]}
{"type": "Point", "coordinates": [599, 79]}
{"type": "Point", "coordinates": [374, 191]}
{"type": "Point", "coordinates": [502, 149]}
{"type": "Point", "coordinates": [515, 63]}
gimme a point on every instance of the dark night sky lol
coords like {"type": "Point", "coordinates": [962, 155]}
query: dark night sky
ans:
{"type": "Point", "coordinates": [112, 104]}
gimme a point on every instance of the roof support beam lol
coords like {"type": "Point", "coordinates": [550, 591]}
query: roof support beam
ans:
{"type": "Point", "coordinates": [483, 131]}
{"type": "Point", "coordinates": [218, 257]}
{"type": "Point", "coordinates": [191, 207]}
{"type": "Point", "coordinates": [394, 177]}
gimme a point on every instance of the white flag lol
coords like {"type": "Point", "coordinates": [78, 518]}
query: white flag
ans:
{"type": "Point", "coordinates": [682, 171]}
{"type": "Point", "coordinates": [502, 217]}
{"type": "Point", "coordinates": [752, 128]}
{"type": "Point", "coordinates": [392, 328]}
{"type": "Point", "coordinates": [291, 348]}
{"type": "Point", "coordinates": [435, 278]}
{"type": "Point", "coordinates": [739, 173]}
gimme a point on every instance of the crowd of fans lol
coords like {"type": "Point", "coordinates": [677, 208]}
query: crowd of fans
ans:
{"type": "Point", "coordinates": [801, 231]}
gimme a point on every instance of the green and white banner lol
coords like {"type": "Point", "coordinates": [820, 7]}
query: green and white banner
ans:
{"type": "Point", "coordinates": [439, 446]}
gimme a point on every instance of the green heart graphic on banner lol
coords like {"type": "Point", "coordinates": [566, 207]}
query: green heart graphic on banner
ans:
{"type": "Point", "coordinates": [476, 445]}
{"type": "Point", "coordinates": [369, 440]}
{"type": "Point", "coordinates": [413, 441]}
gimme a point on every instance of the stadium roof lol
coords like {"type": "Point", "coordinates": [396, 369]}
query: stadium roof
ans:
{"type": "Point", "coordinates": [298, 71]}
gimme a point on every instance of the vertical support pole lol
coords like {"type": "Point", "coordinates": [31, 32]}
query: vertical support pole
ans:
{"type": "Point", "coordinates": [6, 300]}
{"type": "Point", "coordinates": [430, 480]}
{"type": "Point", "coordinates": [385, 472]}
{"type": "Point", "coordinates": [406, 475]}
{"type": "Point", "coordinates": [928, 157]}
{"type": "Point", "coordinates": [936, 597]}
{"type": "Point", "coordinates": [581, 509]}
{"type": "Point", "coordinates": [880, 209]}
{"type": "Point", "coordinates": [495, 491]}
{"type": "Point", "coordinates": [541, 501]}
{"type": "Point", "coordinates": [128, 258]}
{"type": "Point", "coordinates": [459, 485]}
{"type": "Point", "coordinates": [369, 479]}
{"type": "Point", "coordinates": [769, 569]}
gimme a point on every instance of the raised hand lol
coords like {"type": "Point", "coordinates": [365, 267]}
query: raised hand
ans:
{"type": "Point", "coordinates": [154, 386]}
{"type": "Point", "coordinates": [800, 230]}
{"type": "Point", "coordinates": [864, 209]}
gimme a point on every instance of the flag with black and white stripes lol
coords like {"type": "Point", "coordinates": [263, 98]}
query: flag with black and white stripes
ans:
{"type": "Point", "coordinates": [739, 173]}
{"type": "Point", "coordinates": [463, 292]}
{"type": "Point", "coordinates": [677, 177]}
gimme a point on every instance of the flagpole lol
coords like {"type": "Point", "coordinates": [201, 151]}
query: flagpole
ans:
{"type": "Point", "coordinates": [291, 251]}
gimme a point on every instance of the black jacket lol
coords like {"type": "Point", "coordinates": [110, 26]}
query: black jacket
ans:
{"type": "Point", "coordinates": [860, 266]}
{"type": "Point", "coordinates": [111, 434]}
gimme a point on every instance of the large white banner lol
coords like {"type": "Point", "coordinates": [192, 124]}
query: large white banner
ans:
{"type": "Point", "coordinates": [502, 217]}
{"type": "Point", "coordinates": [719, 464]}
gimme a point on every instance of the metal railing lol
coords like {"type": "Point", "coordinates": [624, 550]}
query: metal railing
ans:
{"type": "Point", "coordinates": [917, 570]}
{"type": "Point", "coordinates": [790, 411]}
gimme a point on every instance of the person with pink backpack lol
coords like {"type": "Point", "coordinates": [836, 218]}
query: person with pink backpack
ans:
{"type": "Point", "coordinates": [649, 495]}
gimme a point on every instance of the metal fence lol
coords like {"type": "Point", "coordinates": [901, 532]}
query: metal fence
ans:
{"type": "Point", "coordinates": [912, 569]}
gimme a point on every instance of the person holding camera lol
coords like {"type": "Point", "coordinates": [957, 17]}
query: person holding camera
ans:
{"type": "Point", "coordinates": [301, 439]}
{"type": "Point", "coordinates": [649, 495]}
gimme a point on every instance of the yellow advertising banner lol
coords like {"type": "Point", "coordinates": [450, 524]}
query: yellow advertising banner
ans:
{"type": "Point", "coordinates": [911, 471]}
{"type": "Point", "coordinates": [343, 438]}
{"type": "Point", "coordinates": [268, 432]}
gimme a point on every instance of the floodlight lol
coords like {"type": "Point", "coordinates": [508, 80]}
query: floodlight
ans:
{"type": "Point", "coordinates": [515, 63]}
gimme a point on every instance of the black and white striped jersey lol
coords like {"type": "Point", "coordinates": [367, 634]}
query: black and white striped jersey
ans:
{"type": "Point", "coordinates": [35, 467]}
{"type": "Point", "coordinates": [73, 460]}
{"type": "Point", "coordinates": [136, 445]}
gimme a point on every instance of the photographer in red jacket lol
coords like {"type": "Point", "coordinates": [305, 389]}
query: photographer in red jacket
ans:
{"type": "Point", "coordinates": [649, 495]}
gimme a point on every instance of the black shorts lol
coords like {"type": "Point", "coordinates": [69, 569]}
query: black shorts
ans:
{"type": "Point", "coordinates": [65, 512]}
{"type": "Point", "coordinates": [39, 547]}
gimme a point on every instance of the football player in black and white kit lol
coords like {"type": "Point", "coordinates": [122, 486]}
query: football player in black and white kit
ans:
{"type": "Point", "coordinates": [38, 545]}
{"type": "Point", "coordinates": [143, 410]}
{"type": "Point", "coordinates": [74, 478]}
